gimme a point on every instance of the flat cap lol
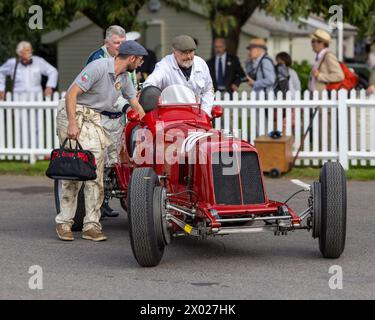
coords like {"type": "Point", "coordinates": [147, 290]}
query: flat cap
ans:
{"type": "Point", "coordinates": [132, 47]}
{"type": "Point", "coordinates": [183, 43]}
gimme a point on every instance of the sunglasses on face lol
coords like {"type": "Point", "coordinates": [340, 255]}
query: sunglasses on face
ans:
{"type": "Point", "coordinates": [316, 41]}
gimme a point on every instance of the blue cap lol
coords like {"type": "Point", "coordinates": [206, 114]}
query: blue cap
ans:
{"type": "Point", "coordinates": [132, 47]}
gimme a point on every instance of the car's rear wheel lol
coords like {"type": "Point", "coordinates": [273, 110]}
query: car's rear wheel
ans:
{"type": "Point", "coordinates": [81, 209]}
{"type": "Point", "coordinates": [332, 231]}
{"type": "Point", "coordinates": [146, 231]}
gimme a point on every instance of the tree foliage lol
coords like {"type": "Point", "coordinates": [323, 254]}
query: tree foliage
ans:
{"type": "Point", "coordinates": [226, 17]}
{"type": "Point", "coordinates": [57, 14]}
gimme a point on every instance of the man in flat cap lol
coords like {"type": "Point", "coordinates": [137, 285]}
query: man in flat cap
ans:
{"type": "Point", "coordinates": [93, 93]}
{"type": "Point", "coordinates": [113, 121]}
{"type": "Point", "coordinates": [326, 68]}
{"type": "Point", "coordinates": [260, 67]}
{"type": "Point", "coordinates": [184, 68]}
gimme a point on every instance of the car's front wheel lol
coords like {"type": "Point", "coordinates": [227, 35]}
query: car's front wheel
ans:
{"type": "Point", "coordinates": [333, 206]}
{"type": "Point", "coordinates": [145, 217]}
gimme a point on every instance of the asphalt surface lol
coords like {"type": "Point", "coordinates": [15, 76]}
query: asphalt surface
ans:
{"type": "Point", "coordinates": [256, 266]}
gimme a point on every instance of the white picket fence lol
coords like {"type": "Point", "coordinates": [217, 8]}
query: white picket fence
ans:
{"type": "Point", "coordinates": [343, 129]}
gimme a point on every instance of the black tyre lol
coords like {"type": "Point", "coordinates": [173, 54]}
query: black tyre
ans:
{"type": "Point", "coordinates": [81, 209]}
{"type": "Point", "coordinates": [145, 231]}
{"type": "Point", "coordinates": [275, 173]}
{"type": "Point", "coordinates": [333, 210]}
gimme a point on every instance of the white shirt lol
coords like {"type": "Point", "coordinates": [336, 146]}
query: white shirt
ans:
{"type": "Point", "coordinates": [28, 78]}
{"type": "Point", "coordinates": [167, 73]}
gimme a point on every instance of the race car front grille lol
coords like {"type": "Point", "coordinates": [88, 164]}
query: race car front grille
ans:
{"type": "Point", "coordinates": [228, 178]}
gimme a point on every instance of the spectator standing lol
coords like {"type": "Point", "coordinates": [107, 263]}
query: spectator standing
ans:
{"type": "Point", "coordinates": [284, 59]}
{"type": "Point", "coordinates": [26, 72]}
{"type": "Point", "coordinates": [225, 69]}
{"type": "Point", "coordinates": [326, 68]}
{"type": "Point", "coordinates": [284, 62]}
{"type": "Point", "coordinates": [260, 68]}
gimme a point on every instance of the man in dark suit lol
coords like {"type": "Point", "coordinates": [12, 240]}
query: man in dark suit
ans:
{"type": "Point", "coordinates": [226, 71]}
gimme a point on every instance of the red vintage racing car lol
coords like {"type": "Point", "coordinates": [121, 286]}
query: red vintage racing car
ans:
{"type": "Point", "coordinates": [180, 177]}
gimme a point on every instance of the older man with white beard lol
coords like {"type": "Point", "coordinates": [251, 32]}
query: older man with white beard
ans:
{"type": "Point", "coordinates": [184, 68]}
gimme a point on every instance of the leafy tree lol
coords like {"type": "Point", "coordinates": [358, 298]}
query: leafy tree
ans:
{"type": "Point", "coordinates": [57, 14]}
{"type": "Point", "coordinates": [227, 17]}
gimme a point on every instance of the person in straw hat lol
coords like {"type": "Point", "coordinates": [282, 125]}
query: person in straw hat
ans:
{"type": "Point", "coordinates": [326, 68]}
{"type": "Point", "coordinates": [260, 67]}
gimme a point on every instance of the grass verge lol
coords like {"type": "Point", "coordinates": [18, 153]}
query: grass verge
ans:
{"type": "Point", "coordinates": [354, 173]}
{"type": "Point", "coordinates": [21, 168]}
{"type": "Point", "coordinates": [39, 168]}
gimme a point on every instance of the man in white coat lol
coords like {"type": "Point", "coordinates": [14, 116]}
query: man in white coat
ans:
{"type": "Point", "coordinates": [26, 72]}
{"type": "Point", "coordinates": [184, 68]}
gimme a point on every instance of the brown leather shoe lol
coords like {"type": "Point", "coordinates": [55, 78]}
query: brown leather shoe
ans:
{"type": "Point", "coordinates": [94, 235]}
{"type": "Point", "coordinates": [64, 232]}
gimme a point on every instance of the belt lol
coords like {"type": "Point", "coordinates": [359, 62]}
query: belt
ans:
{"type": "Point", "coordinates": [112, 115]}
{"type": "Point", "coordinates": [84, 116]}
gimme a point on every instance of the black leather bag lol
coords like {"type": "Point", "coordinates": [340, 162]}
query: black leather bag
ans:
{"type": "Point", "coordinates": [72, 164]}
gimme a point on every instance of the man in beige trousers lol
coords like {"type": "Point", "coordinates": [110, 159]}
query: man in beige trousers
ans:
{"type": "Point", "coordinates": [98, 86]}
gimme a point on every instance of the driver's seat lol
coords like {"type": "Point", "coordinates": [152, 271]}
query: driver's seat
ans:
{"type": "Point", "coordinates": [149, 98]}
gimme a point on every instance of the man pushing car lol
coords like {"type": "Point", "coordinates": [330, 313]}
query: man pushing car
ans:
{"type": "Point", "coordinates": [184, 68]}
{"type": "Point", "coordinates": [98, 86]}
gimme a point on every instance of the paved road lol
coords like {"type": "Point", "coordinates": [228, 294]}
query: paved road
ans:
{"type": "Point", "coordinates": [257, 266]}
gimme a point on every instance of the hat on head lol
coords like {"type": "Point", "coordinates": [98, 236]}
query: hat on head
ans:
{"type": "Point", "coordinates": [133, 35]}
{"type": "Point", "coordinates": [132, 48]}
{"type": "Point", "coordinates": [257, 43]}
{"type": "Point", "coordinates": [184, 43]}
{"type": "Point", "coordinates": [321, 35]}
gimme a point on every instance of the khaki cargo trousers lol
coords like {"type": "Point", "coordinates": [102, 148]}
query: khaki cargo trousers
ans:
{"type": "Point", "coordinates": [92, 137]}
